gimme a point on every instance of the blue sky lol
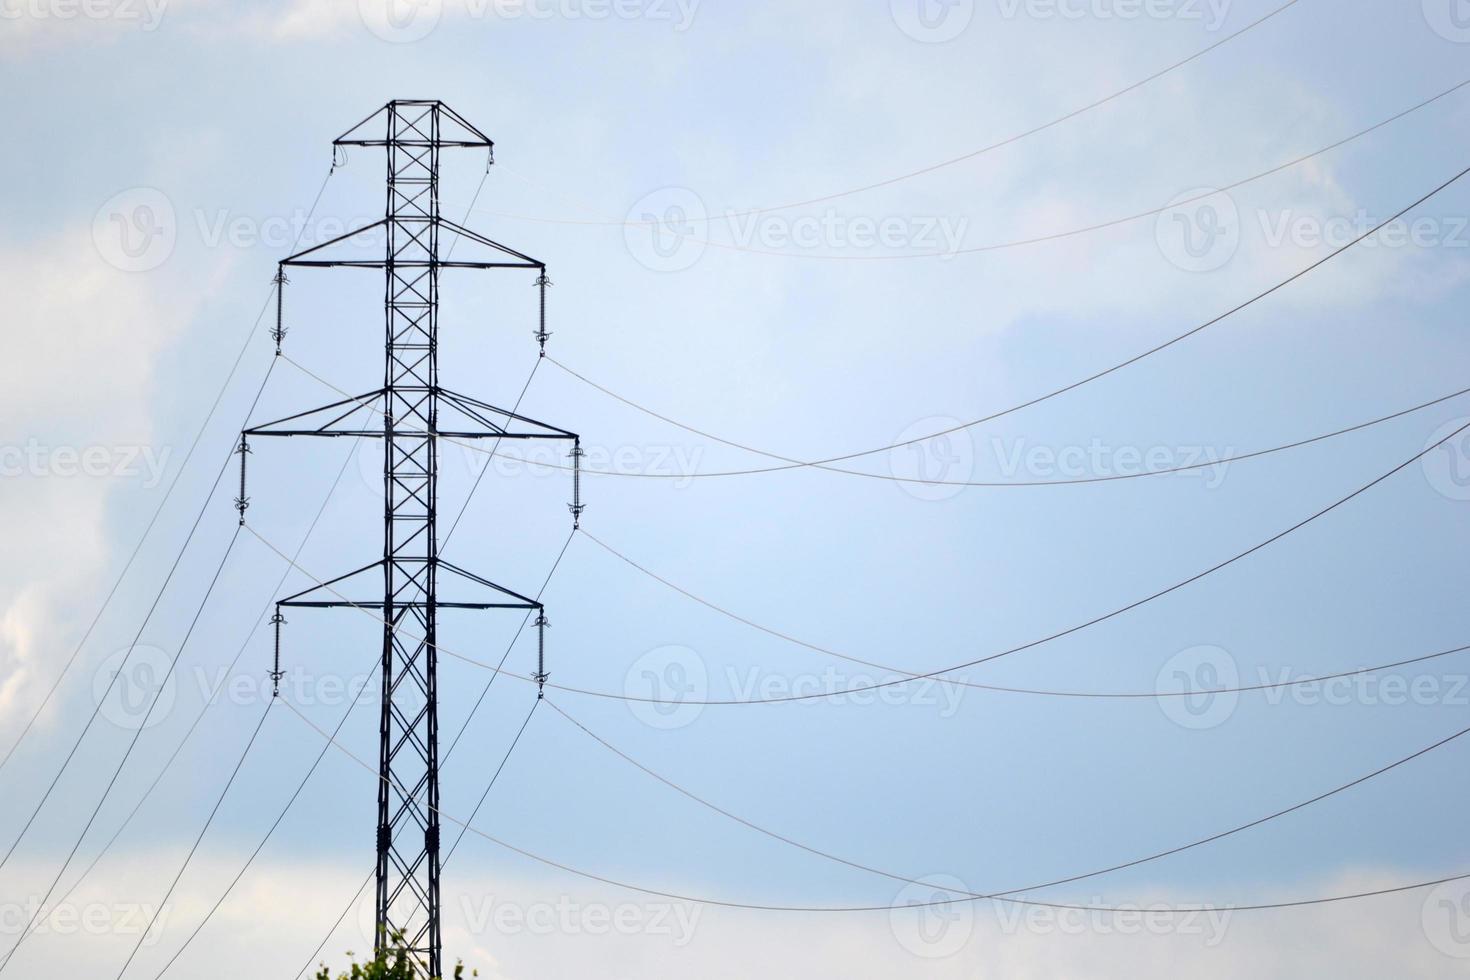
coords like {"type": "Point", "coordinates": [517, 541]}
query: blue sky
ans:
{"type": "Point", "coordinates": [210, 124]}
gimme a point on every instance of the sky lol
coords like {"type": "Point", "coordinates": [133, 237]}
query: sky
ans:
{"type": "Point", "coordinates": [809, 230]}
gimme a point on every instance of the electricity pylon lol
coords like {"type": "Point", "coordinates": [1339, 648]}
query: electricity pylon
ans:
{"type": "Point", "coordinates": [411, 413]}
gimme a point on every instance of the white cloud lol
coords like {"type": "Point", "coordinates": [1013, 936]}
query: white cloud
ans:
{"type": "Point", "coordinates": [518, 928]}
{"type": "Point", "coordinates": [74, 387]}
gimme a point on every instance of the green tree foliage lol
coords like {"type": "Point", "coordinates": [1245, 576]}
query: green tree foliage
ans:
{"type": "Point", "coordinates": [393, 963]}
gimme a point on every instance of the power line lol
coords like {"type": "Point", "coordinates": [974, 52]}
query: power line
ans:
{"type": "Point", "coordinates": [909, 677]}
{"type": "Point", "coordinates": [464, 726]}
{"type": "Point", "coordinates": [224, 679]}
{"type": "Point", "coordinates": [1052, 236]}
{"type": "Point", "coordinates": [194, 444]}
{"type": "Point", "coordinates": [158, 596]}
{"type": "Point", "coordinates": [193, 848]}
{"type": "Point", "coordinates": [999, 144]}
{"type": "Point", "coordinates": [268, 834]}
{"type": "Point", "coordinates": [790, 463]}
{"type": "Point", "coordinates": [974, 896]}
{"type": "Point", "coordinates": [357, 896]}
{"type": "Point", "coordinates": [1222, 461]}
{"type": "Point", "coordinates": [1101, 695]}
{"type": "Point", "coordinates": [302, 784]}
{"type": "Point", "coordinates": [142, 539]}
{"type": "Point", "coordinates": [331, 741]}
{"type": "Point", "coordinates": [127, 753]}
{"type": "Point", "coordinates": [1072, 629]}
{"type": "Point", "coordinates": [255, 401]}
{"type": "Point", "coordinates": [1258, 297]}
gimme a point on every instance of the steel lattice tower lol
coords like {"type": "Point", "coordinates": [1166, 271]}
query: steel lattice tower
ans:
{"type": "Point", "coordinates": [411, 413]}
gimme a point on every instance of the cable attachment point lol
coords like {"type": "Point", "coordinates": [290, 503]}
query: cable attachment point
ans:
{"type": "Point", "coordinates": [339, 158]}
{"type": "Point", "coordinates": [242, 502]}
{"type": "Point", "coordinates": [576, 506]}
{"type": "Point", "coordinates": [542, 334]}
{"type": "Point", "coordinates": [279, 333]}
{"type": "Point", "coordinates": [541, 676]}
{"type": "Point", "coordinates": [276, 672]}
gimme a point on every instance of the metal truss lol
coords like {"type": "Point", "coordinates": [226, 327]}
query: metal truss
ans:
{"type": "Point", "coordinates": [411, 412]}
